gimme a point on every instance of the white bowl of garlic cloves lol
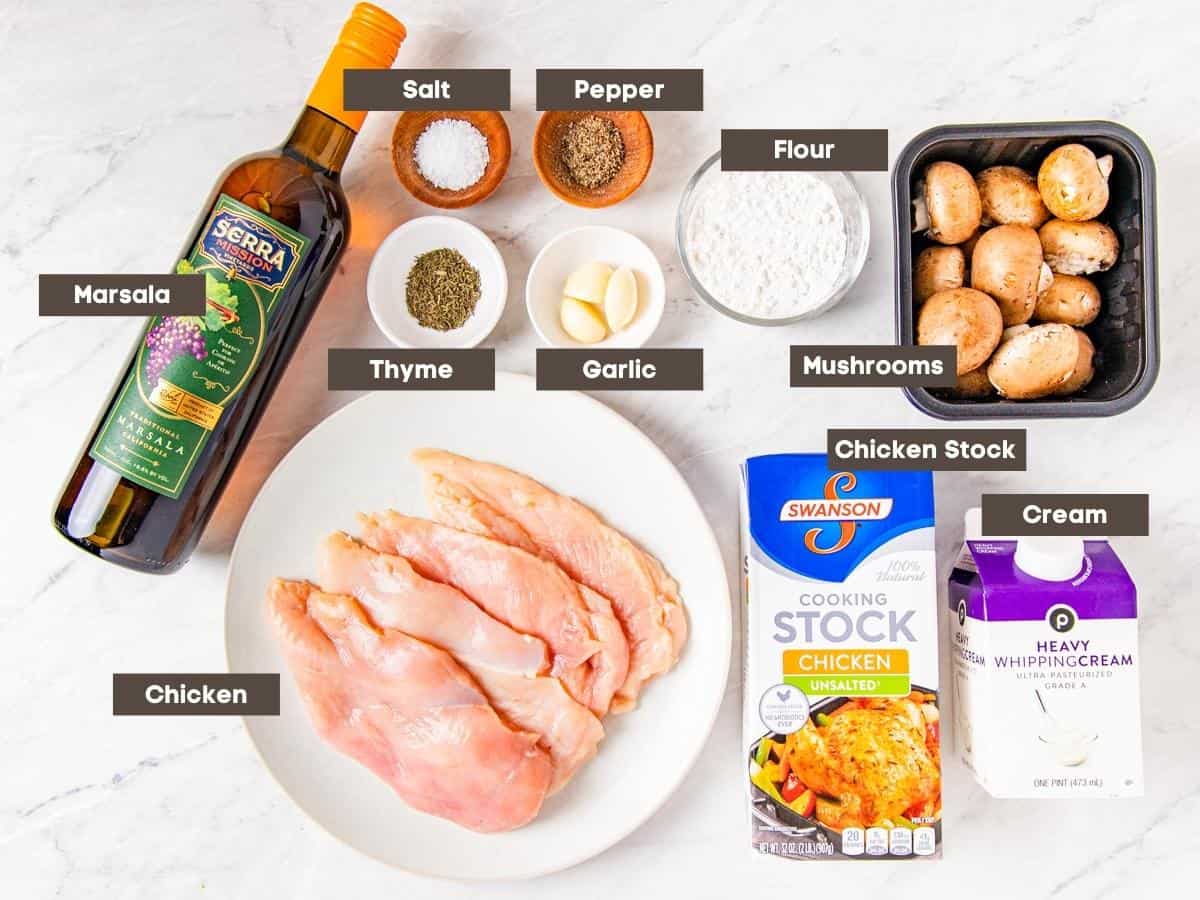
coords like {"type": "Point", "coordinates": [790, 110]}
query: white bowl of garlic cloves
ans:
{"type": "Point", "coordinates": [595, 286]}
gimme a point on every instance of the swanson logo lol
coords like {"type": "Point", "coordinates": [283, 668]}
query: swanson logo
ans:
{"type": "Point", "coordinates": [847, 511]}
{"type": "Point", "coordinates": [242, 242]}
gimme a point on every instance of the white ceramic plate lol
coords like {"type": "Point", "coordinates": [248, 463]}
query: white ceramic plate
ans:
{"type": "Point", "coordinates": [594, 243]}
{"type": "Point", "coordinates": [357, 459]}
{"type": "Point", "coordinates": [389, 272]}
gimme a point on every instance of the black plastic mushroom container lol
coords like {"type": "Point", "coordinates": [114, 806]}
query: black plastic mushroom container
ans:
{"type": "Point", "coordinates": [1125, 333]}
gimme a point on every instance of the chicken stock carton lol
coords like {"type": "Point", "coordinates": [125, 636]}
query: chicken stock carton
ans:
{"type": "Point", "coordinates": [841, 725]}
{"type": "Point", "coordinates": [1045, 668]}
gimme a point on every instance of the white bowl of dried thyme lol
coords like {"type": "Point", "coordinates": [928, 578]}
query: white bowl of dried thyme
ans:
{"type": "Point", "coordinates": [437, 282]}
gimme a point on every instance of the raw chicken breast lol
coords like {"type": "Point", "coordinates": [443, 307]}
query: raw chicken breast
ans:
{"type": "Point", "coordinates": [498, 502]}
{"type": "Point", "coordinates": [454, 504]}
{"type": "Point", "coordinates": [610, 666]}
{"type": "Point", "coordinates": [457, 509]}
{"type": "Point", "coordinates": [408, 712]}
{"type": "Point", "coordinates": [395, 596]}
{"type": "Point", "coordinates": [524, 591]}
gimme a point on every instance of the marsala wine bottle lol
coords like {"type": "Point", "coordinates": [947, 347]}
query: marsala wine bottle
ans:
{"type": "Point", "coordinates": [267, 244]}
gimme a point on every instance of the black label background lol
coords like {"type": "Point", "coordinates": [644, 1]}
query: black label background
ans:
{"type": "Point", "coordinates": [56, 295]}
{"type": "Point", "coordinates": [683, 89]}
{"type": "Point", "coordinates": [946, 355]}
{"type": "Point", "coordinates": [129, 694]}
{"type": "Point", "coordinates": [1128, 514]}
{"type": "Point", "coordinates": [383, 89]}
{"type": "Point", "coordinates": [753, 150]}
{"type": "Point", "coordinates": [679, 369]}
{"type": "Point", "coordinates": [351, 370]}
{"type": "Point", "coordinates": [937, 436]}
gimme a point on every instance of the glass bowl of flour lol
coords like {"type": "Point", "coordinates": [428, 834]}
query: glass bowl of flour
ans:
{"type": "Point", "coordinates": [771, 248]}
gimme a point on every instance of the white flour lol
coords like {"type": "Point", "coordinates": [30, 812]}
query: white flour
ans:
{"type": "Point", "coordinates": [766, 244]}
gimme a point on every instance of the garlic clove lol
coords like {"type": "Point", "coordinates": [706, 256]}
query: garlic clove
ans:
{"type": "Point", "coordinates": [582, 321]}
{"type": "Point", "coordinates": [621, 298]}
{"type": "Point", "coordinates": [588, 282]}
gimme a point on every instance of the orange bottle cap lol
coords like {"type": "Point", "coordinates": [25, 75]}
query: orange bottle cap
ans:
{"type": "Point", "coordinates": [370, 39]}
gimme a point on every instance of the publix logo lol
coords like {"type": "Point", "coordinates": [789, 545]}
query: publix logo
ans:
{"type": "Point", "coordinates": [241, 242]}
{"type": "Point", "coordinates": [1061, 617]}
{"type": "Point", "coordinates": [833, 507]}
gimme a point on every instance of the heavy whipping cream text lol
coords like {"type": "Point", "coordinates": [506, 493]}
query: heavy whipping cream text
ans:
{"type": "Point", "coordinates": [1064, 654]}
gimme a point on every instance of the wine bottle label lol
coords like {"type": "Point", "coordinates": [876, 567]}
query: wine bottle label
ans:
{"type": "Point", "coordinates": [188, 369]}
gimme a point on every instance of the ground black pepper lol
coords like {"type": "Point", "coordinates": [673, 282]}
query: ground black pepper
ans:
{"type": "Point", "coordinates": [442, 289]}
{"type": "Point", "coordinates": [592, 151]}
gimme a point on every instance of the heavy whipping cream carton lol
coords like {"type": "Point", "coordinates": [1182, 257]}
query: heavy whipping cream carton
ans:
{"type": "Point", "coordinates": [841, 723]}
{"type": "Point", "coordinates": [1045, 668]}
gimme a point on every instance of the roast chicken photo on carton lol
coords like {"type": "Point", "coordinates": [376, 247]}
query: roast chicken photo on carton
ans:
{"type": "Point", "coordinates": [469, 661]}
{"type": "Point", "coordinates": [868, 762]}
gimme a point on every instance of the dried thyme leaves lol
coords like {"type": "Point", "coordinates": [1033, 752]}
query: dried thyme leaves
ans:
{"type": "Point", "coordinates": [592, 151]}
{"type": "Point", "coordinates": [442, 289]}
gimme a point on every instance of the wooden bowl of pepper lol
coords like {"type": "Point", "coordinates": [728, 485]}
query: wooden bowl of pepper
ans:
{"type": "Point", "coordinates": [592, 158]}
{"type": "Point", "coordinates": [412, 124]}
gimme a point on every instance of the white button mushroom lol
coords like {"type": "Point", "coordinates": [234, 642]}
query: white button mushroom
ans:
{"type": "Point", "coordinates": [1070, 299]}
{"type": "Point", "coordinates": [1045, 360]}
{"type": "Point", "coordinates": [1079, 248]}
{"type": "Point", "coordinates": [1013, 330]}
{"type": "Point", "coordinates": [973, 385]}
{"type": "Point", "coordinates": [1084, 367]}
{"type": "Point", "coordinates": [1074, 183]}
{"type": "Point", "coordinates": [964, 318]}
{"type": "Point", "coordinates": [1009, 196]}
{"type": "Point", "coordinates": [946, 203]}
{"type": "Point", "coordinates": [1007, 265]}
{"type": "Point", "coordinates": [938, 269]}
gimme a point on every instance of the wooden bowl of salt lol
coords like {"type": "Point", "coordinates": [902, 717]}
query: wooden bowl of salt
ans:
{"type": "Point", "coordinates": [548, 150]}
{"type": "Point", "coordinates": [448, 167]}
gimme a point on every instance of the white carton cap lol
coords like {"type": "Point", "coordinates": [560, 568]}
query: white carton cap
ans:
{"type": "Point", "coordinates": [973, 527]}
{"type": "Point", "coordinates": [1050, 558]}
{"type": "Point", "coordinates": [973, 524]}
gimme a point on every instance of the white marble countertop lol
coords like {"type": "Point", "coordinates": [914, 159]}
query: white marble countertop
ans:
{"type": "Point", "coordinates": [116, 124]}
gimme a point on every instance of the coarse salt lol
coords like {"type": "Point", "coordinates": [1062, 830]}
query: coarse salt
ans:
{"type": "Point", "coordinates": [451, 154]}
{"type": "Point", "coordinates": [769, 245]}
